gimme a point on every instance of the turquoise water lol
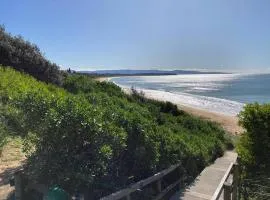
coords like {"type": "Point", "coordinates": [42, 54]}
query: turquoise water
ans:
{"type": "Point", "coordinates": [207, 91]}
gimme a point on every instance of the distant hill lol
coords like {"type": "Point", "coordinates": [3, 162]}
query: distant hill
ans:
{"type": "Point", "coordinates": [145, 72]}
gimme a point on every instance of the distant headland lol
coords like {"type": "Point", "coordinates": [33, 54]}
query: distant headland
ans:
{"type": "Point", "coordinates": [131, 72]}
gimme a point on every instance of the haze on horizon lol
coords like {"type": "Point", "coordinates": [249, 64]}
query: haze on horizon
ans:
{"type": "Point", "coordinates": [146, 34]}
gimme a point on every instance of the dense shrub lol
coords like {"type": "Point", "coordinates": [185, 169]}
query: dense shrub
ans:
{"type": "Point", "coordinates": [254, 151]}
{"type": "Point", "coordinates": [169, 107]}
{"type": "Point", "coordinates": [254, 145]}
{"type": "Point", "coordinates": [92, 136]}
{"type": "Point", "coordinates": [25, 56]}
{"type": "Point", "coordinates": [165, 121]}
{"type": "Point", "coordinates": [10, 123]}
{"type": "Point", "coordinates": [84, 84]}
{"type": "Point", "coordinates": [3, 136]}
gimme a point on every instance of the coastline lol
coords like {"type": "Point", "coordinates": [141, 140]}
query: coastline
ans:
{"type": "Point", "coordinates": [228, 122]}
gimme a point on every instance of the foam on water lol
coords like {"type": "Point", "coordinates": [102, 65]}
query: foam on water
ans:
{"type": "Point", "coordinates": [190, 90]}
{"type": "Point", "coordinates": [222, 93]}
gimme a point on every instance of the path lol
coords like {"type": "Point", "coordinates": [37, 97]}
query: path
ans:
{"type": "Point", "coordinates": [206, 183]}
{"type": "Point", "coordinates": [10, 160]}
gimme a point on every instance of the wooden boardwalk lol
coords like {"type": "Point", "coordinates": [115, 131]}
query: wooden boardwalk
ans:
{"type": "Point", "coordinates": [205, 185]}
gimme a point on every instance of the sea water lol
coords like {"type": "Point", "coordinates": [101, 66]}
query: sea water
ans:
{"type": "Point", "coordinates": [221, 93]}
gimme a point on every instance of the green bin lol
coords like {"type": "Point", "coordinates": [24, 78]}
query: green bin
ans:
{"type": "Point", "coordinates": [56, 193]}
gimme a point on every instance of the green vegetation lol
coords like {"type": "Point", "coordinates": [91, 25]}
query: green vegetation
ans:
{"type": "Point", "coordinates": [9, 122]}
{"type": "Point", "coordinates": [27, 57]}
{"type": "Point", "coordinates": [92, 137]}
{"type": "Point", "coordinates": [254, 150]}
{"type": "Point", "coordinates": [89, 136]}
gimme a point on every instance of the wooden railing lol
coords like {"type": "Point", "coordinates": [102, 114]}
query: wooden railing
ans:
{"type": "Point", "coordinates": [154, 181]}
{"type": "Point", "coordinates": [229, 184]}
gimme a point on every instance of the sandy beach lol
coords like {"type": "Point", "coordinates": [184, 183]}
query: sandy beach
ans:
{"type": "Point", "coordinates": [102, 79]}
{"type": "Point", "coordinates": [228, 122]}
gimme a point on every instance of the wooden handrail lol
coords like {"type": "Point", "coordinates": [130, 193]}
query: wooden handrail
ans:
{"type": "Point", "coordinates": [132, 188]}
{"type": "Point", "coordinates": [221, 184]}
{"type": "Point", "coordinates": [166, 190]}
{"type": "Point", "coordinates": [236, 176]}
{"type": "Point", "coordinates": [229, 188]}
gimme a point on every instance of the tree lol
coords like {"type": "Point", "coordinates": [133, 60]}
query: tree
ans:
{"type": "Point", "coordinates": [27, 57]}
{"type": "Point", "coordinates": [254, 145]}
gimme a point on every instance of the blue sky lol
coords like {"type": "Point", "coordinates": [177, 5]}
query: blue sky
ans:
{"type": "Point", "coordinates": [227, 35]}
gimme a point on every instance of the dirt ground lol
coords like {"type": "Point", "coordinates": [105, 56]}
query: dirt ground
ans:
{"type": "Point", "coordinates": [10, 160]}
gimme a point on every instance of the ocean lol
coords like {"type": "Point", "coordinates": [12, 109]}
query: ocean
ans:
{"type": "Point", "coordinates": [220, 93]}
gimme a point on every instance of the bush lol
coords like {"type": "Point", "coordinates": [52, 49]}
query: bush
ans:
{"type": "Point", "coordinates": [253, 149]}
{"type": "Point", "coordinates": [254, 145]}
{"type": "Point", "coordinates": [10, 123]}
{"type": "Point", "coordinates": [27, 57]}
{"type": "Point", "coordinates": [169, 107]}
{"type": "Point", "coordinates": [3, 137]}
{"type": "Point", "coordinates": [70, 134]}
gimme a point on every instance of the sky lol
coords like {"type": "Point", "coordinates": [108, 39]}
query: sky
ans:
{"type": "Point", "coordinates": [221, 35]}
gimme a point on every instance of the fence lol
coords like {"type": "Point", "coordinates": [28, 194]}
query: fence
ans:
{"type": "Point", "coordinates": [229, 184]}
{"type": "Point", "coordinates": [154, 182]}
{"type": "Point", "coordinates": [161, 183]}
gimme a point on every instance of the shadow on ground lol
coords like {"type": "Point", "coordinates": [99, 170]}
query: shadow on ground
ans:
{"type": "Point", "coordinates": [7, 191]}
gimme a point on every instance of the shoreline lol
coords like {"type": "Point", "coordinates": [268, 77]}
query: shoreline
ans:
{"type": "Point", "coordinates": [228, 122]}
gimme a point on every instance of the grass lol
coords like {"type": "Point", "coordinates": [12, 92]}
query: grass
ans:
{"type": "Point", "coordinates": [12, 151]}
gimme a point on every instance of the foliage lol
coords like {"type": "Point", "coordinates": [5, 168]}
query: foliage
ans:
{"type": "Point", "coordinates": [253, 149]}
{"type": "Point", "coordinates": [3, 137]}
{"type": "Point", "coordinates": [25, 56]}
{"type": "Point", "coordinates": [83, 84]}
{"type": "Point", "coordinates": [254, 146]}
{"type": "Point", "coordinates": [92, 135]}
{"type": "Point", "coordinates": [10, 123]}
{"type": "Point", "coordinates": [183, 134]}
{"type": "Point", "coordinates": [256, 185]}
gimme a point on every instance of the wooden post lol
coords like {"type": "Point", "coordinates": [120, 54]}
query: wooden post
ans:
{"type": "Point", "coordinates": [181, 183]}
{"type": "Point", "coordinates": [18, 185]}
{"type": "Point", "coordinates": [235, 181]}
{"type": "Point", "coordinates": [227, 191]}
{"type": "Point", "coordinates": [128, 197]}
{"type": "Point", "coordinates": [159, 189]}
